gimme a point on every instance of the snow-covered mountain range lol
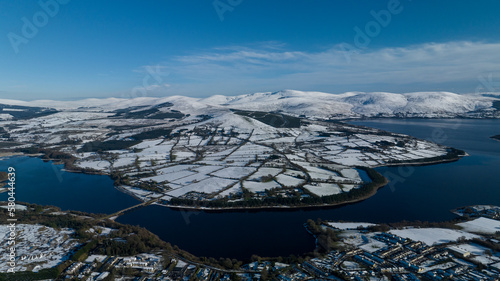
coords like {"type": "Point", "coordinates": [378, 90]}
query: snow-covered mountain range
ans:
{"type": "Point", "coordinates": [354, 104]}
{"type": "Point", "coordinates": [297, 103]}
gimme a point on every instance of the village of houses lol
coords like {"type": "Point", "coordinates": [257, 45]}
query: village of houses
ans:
{"type": "Point", "coordinates": [409, 253]}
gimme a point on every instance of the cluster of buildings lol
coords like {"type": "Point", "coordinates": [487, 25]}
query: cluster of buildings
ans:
{"type": "Point", "coordinates": [148, 267]}
{"type": "Point", "coordinates": [385, 256]}
{"type": "Point", "coordinates": [361, 255]}
{"type": "Point", "coordinates": [378, 256]}
{"type": "Point", "coordinates": [409, 253]}
{"type": "Point", "coordinates": [36, 247]}
{"type": "Point", "coordinates": [99, 267]}
{"type": "Point", "coordinates": [488, 211]}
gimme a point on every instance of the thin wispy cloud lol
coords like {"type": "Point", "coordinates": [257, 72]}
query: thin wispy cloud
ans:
{"type": "Point", "coordinates": [233, 69]}
{"type": "Point", "coordinates": [157, 87]}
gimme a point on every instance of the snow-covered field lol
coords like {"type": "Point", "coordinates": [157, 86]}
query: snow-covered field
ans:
{"type": "Point", "coordinates": [233, 172]}
{"type": "Point", "coordinates": [260, 186]}
{"type": "Point", "coordinates": [432, 236]}
{"type": "Point", "coordinates": [481, 225]}
{"type": "Point", "coordinates": [471, 248]}
{"type": "Point", "coordinates": [323, 189]}
{"type": "Point", "coordinates": [209, 185]}
{"type": "Point", "coordinates": [357, 239]}
{"type": "Point", "coordinates": [288, 180]}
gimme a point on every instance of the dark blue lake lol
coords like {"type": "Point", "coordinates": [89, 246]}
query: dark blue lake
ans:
{"type": "Point", "coordinates": [416, 193]}
{"type": "Point", "coordinates": [47, 184]}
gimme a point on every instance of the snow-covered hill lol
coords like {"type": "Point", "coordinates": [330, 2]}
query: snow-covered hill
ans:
{"type": "Point", "coordinates": [353, 104]}
{"type": "Point", "coordinates": [311, 104]}
{"type": "Point", "coordinates": [227, 150]}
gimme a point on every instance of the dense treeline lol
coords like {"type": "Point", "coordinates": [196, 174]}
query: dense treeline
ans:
{"type": "Point", "coordinates": [95, 146]}
{"type": "Point", "coordinates": [43, 274]}
{"type": "Point", "coordinates": [48, 153]}
{"type": "Point", "coordinates": [326, 238]}
{"type": "Point", "coordinates": [427, 224]}
{"type": "Point", "coordinates": [130, 240]}
{"type": "Point", "coordinates": [51, 154]}
{"type": "Point", "coordinates": [119, 179]}
{"type": "Point", "coordinates": [42, 215]}
{"type": "Point", "coordinates": [487, 244]}
{"type": "Point", "coordinates": [28, 112]}
{"type": "Point", "coordinates": [276, 120]}
{"type": "Point", "coordinates": [7, 144]}
{"type": "Point", "coordinates": [152, 113]}
{"type": "Point", "coordinates": [3, 176]}
{"type": "Point", "coordinates": [153, 134]}
{"type": "Point", "coordinates": [83, 252]}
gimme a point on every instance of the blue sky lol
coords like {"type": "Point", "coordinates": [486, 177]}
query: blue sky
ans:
{"type": "Point", "coordinates": [71, 49]}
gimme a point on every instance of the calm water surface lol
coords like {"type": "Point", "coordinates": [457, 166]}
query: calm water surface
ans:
{"type": "Point", "coordinates": [47, 184]}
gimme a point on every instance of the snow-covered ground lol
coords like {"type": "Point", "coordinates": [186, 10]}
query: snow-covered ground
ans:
{"type": "Point", "coordinates": [208, 185]}
{"type": "Point", "coordinates": [471, 248]}
{"type": "Point", "coordinates": [37, 247]}
{"type": "Point", "coordinates": [323, 189]}
{"type": "Point", "coordinates": [212, 148]}
{"type": "Point", "coordinates": [481, 225]}
{"type": "Point", "coordinates": [356, 103]}
{"type": "Point", "coordinates": [18, 207]}
{"type": "Point", "coordinates": [254, 186]}
{"type": "Point", "coordinates": [103, 231]}
{"type": "Point", "coordinates": [318, 104]}
{"type": "Point", "coordinates": [98, 258]}
{"type": "Point", "coordinates": [286, 180]}
{"type": "Point", "coordinates": [363, 241]}
{"type": "Point", "coordinates": [432, 236]}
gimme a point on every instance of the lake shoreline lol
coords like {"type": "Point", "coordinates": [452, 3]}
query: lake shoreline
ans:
{"type": "Point", "coordinates": [274, 208]}
{"type": "Point", "coordinates": [313, 206]}
{"type": "Point", "coordinates": [317, 206]}
{"type": "Point", "coordinates": [256, 208]}
{"type": "Point", "coordinates": [427, 195]}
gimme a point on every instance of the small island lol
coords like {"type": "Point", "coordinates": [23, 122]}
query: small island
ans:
{"type": "Point", "coordinates": [497, 137]}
